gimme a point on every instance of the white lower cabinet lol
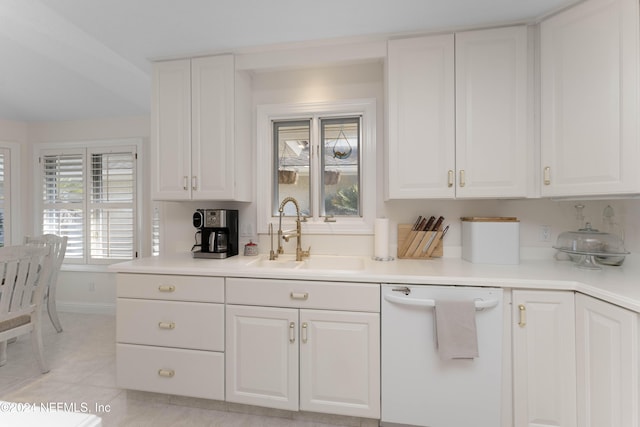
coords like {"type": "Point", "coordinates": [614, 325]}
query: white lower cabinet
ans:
{"type": "Point", "coordinates": [167, 370]}
{"type": "Point", "coordinates": [544, 359]}
{"type": "Point", "coordinates": [170, 334]}
{"type": "Point", "coordinates": [293, 357]}
{"type": "Point", "coordinates": [607, 361]}
{"type": "Point", "coordinates": [262, 356]}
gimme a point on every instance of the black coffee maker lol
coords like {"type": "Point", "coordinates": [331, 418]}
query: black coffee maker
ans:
{"type": "Point", "coordinates": [218, 229]}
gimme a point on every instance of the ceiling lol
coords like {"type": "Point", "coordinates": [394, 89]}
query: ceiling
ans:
{"type": "Point", "coordinates": [79, 59]}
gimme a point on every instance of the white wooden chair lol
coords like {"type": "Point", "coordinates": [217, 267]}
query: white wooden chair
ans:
{"type": "Point", "coordinates": [24, 272]}
{"type": "Point", "coordinates": [59, 247]}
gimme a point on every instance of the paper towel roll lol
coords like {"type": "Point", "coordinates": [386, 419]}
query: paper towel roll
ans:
{"type": "Point", "coordinates": [381, 238]}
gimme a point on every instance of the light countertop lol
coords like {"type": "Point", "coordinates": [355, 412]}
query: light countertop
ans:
{"type": "Point", "coordinates": [617, 285]}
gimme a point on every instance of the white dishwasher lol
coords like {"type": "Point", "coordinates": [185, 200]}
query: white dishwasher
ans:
{"type": "Point", "coordinates": [420, 389]}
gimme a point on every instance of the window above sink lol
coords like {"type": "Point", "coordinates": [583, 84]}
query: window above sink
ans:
{"type": "Point", "coordinates": [302, 149]}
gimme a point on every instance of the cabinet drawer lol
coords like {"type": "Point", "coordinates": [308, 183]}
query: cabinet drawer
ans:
{"type": "Point", "coordinates": [304, 294]}
{"type": "Point", "coordinates": [168, 287]}
{"type": "Point", "coordinates": [172, 324]}
{"type": "Point", "coordinates": [171, 371]}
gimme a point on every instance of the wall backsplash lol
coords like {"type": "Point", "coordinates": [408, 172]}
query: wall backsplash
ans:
{"type": "Point", "coordinates": [533, 213]}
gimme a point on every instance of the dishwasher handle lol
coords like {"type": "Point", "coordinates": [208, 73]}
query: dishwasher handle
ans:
{"type": "Point", "coordinates": [480, 303]}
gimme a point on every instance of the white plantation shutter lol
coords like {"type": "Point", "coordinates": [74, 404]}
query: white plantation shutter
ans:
{"type": "Point", "coordinates": [90, 196]}
{"type": "Point", "coordinates": [5, 199]}
{"type": "Point", "coordinates": [155, 232]}
{"type": "Point", "coordinates": [112, 206]}
{"type": "Point", "coordinates": [64, 199]}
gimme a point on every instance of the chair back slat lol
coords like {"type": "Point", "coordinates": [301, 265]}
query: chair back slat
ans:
{"type": "Point", "coordinates": [25, 271]}
{"type": "Point", "coordinates": [58, 244]}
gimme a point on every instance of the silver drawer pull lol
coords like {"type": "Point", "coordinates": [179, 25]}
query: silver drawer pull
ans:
{"type": "Point", "coordinates": [167, 373]}
{"type": "Point", "coordinates": [167, 325]}
{"type": "Point", "coordinates": [299, 295]}
{"type": "Point", "coordinates": [305, 326]}
{"type": "Point", "coordinates": [166, 288]}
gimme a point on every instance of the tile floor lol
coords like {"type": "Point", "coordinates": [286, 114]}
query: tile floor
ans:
{"type": "Point", "coordinates": [82, 363]}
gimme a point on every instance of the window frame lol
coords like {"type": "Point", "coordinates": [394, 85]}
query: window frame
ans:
{"type": "Point", "coordinates": [88, 148]}
{"type": "Point", "coordinates": [265, 167]}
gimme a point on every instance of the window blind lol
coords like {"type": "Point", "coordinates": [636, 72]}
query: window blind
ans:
{"type": "Point", "coordinates": [63, 199]}
{"type": "Point", "coordinates": [112, 205]}
{"type": "Point", "coordinates": [4, 192]}
{"type": "Point", "coordinates": [89, 195]}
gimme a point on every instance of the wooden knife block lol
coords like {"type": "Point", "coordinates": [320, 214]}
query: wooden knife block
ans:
{"type": "Point", "coordinates": [411, 244]}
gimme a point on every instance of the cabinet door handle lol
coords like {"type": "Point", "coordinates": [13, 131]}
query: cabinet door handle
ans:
{"type": "Point", "coordinates": [547, 175]}
{"type": "Point", "coordinates": [185, 179]}
{"type": "Point", "coordinates": [166, 325]}
{"type": "Point", "coordinates": [292, 332]}
{"type": "Point", "coordinates": [166, 288]}
{"type": "Point", "coordinates": [450, 178]}
{"type": "Point", "coordinates": [304, 332]}
{"type": "Point", "coordinates": [462, 180]}
{"type": "Point", "coordinates": [194, 182]}
{"type": "Point", "coordinates": [167, 373]}
{"type": "Point", "coordinates": [299, 295]}
{"type": "Point", "coordinates": [523, 315]}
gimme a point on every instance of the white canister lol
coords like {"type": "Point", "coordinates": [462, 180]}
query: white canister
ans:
{"type": "Point", "coordinates": [491, 240]}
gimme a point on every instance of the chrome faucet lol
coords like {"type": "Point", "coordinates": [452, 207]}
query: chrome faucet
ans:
{"type": "Point", "coordinates": [297, 233]}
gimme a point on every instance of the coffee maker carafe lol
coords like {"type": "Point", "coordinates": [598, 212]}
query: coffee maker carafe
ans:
{"type": "Point", "coordinates": [218, 230]}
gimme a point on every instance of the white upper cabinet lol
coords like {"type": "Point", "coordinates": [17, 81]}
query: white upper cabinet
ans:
{"type": "Point", "coordinates": [200, 121]}
{"type": "Point", "coordinates": [171, 130]}
{"type": "Point", "coordinates": [589, 100]}
{"type": "Point", "coordinates": [492, 137]}
{"type": "Point", "coordinates": [421, 118]}
{"type": "Point", "coordinates": [459, 131]}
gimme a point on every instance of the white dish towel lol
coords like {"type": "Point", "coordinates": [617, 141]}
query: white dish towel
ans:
{"type": "Point", "coordinates": [456, 334]}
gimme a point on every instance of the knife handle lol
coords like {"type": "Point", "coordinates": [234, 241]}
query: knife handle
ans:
{"type": "Point", "coordinates": [427, 226]}
{"type": "Point", "coordinates": [438, 223]}
{"type": "Point", "coordinates": [417, 223]}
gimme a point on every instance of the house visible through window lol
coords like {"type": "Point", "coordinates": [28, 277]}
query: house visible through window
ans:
{"type": "Point", "coordinates": [89, 195]}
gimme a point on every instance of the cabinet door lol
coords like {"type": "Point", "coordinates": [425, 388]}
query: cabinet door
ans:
{"type": "Point", "coordinates": [340, 363]}
{"type": "Point", "coordinates": [213, 127]}
{"type": "Point", "coordinates": [607, 360]}
{"type": "Point", "coordinates": [262, 356]}
{"type": "Point", "coordinates": [589, 100]}
{"type": "Point", "coordinates": [544, 370]}
{"type": "Point", "coordinates": [171, 131]}
{"type": "Point", "coordinates": [492, 113]}
{"type": "Point", "coordinates": [421, 126]}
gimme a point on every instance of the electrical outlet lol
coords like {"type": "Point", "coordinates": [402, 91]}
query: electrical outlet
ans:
{"type": "Point", "coordinates": [544, 233]}
{"type": "Point", "coordinates": [92, 286]}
